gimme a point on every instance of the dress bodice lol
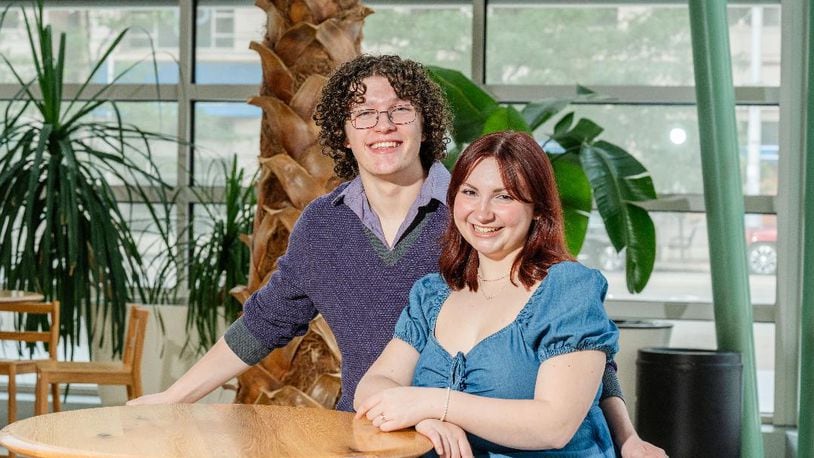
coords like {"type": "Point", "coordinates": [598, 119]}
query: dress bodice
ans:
{"type": "Point", "coordinates": [564, 314]}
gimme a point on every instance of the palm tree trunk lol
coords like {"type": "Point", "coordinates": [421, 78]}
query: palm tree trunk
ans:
{"type": "Point", "coordinates": [305, 41]}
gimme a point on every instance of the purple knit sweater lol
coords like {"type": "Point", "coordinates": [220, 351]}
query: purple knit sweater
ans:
{"type": "Point", "coordinates": [337, 267]}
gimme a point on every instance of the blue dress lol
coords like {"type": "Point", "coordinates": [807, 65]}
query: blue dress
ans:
{"type": "Point", "coordinates": [564, 314]}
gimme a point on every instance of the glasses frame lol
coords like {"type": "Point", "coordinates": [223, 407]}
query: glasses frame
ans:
{"type": "Point", "coordinates": [389, 113]}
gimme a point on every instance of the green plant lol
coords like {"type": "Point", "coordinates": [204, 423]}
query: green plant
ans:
{"type": "Point", "coordinates": [586, 168]}
{"type": "Point", "coordinates": [61, 229]}
{"type": "Point", "coordinates": [219, 258]}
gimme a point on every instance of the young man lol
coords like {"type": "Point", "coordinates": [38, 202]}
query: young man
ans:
{"type": "Point", "coordinates": [355, 252]}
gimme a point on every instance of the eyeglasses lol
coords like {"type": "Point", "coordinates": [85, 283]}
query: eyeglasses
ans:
{"type": "Point", "coordinates": [367, 119]}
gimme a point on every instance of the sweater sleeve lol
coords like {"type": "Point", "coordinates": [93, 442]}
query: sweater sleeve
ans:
{"type": "Point", "coordinates": [610, 383]}
{"type": "Point", "coordinates": [281, 309]}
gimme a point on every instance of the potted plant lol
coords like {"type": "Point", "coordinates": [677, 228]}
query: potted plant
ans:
{"type": "Point", "coordinates": [62, 231]}
{"type": "Point", "coordinates": [210, 262]}
{"type": "Point", "coordinates": [587, 169]}
{"type": "Point", "coordinates": [219, 256]}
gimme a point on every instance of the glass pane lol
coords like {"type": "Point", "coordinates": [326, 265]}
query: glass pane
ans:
{"type": "Point", "coordinates": [157, 271]}
{"type": "Point", "coordinates": [682, 270]}
{"type": "Point", "coordinates": [620, 44]}
{"type": "Point", "coordinates": [150, 47]}
{"type": "Point", "coordinates": [223, 34]}
{"type": "Point", "coordinates": [701, 334]}
{"type": "Point", "coordinates": [665, 139]}
{"type": "Point", "coordinates": [154, 117]}
{"type": "Point", "coordinates": [221, 131]}
{"type": "Point", "coordinates": [204, 217]}
{"type": "Point", "coordinates": [433, 34]}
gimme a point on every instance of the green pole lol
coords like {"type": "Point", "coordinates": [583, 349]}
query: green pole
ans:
{"type": "Point", "coordinates": [805, 419]}
{"type": "Point", "coordinates": [723, 196]}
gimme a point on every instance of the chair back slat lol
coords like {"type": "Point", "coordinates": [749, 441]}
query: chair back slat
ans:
{"type": "Point", "coordinates": [134, 340]}
{"type": "Point", "coordinates": [26, 336]}
{"type": "Point", "coordinates": [40, 308]}
{"type": "Point", "coordinates": [50, 337]}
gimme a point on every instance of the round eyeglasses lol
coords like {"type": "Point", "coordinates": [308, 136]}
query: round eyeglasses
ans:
{"type": "Point", "coordinates": [367, 119]}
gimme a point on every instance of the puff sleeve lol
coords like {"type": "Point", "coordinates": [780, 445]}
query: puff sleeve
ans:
{"type": "Point", "coordinates": [567, 314]}
{"type": "Point", "coordinates": [417, 320]}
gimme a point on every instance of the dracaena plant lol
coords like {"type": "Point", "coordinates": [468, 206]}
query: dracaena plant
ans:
{"type": "Point", "coordinates": [219, 255]}
{"type": "Point", "coordinates": [587, 168]}
{"type": "Point", "coordinates": [62, 231]}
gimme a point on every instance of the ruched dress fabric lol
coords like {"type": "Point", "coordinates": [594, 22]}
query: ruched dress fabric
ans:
{"type": "Point", "coordinates": [564, 314]}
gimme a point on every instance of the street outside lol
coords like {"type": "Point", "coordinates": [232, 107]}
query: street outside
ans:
{"type": "Point", "coordinates": [685, 286]}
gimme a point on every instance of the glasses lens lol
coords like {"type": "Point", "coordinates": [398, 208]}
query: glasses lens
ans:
{"type": "Point", "coordinates": [402, 114]}
{"type": "Point", "coordinates": [364, 119]}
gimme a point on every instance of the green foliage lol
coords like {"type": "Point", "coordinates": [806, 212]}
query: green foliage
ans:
{"type": "Point", "coordinates": [219, 259]}
{"type": "Point", "coordinates": [585, 168]}
{"type": "Point", "coordinates": [422, 31]}
{"type": "Point", "coordinates": [619, 44]}
{"type": "Point", "coordinates": [61, 229]}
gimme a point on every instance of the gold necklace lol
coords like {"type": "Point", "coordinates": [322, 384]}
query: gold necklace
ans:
{"type": "Point", "coordinates": [486, 280]}
{"type": "Point", "coordinates": [482, 282]}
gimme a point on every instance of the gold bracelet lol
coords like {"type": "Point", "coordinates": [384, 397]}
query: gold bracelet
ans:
{"type": "Point", "coordinates": [446, 404]}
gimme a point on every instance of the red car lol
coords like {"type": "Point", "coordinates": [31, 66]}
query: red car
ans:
{"type": "Point", "coordinates": [762, 250]}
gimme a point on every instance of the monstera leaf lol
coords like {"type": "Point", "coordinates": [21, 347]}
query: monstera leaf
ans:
{"type": "Point", "coordinates": [619, 181]}
{"type": "Point", "coordinates": [586, 168]}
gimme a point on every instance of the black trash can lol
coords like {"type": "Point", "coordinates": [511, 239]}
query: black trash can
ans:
{"type": "Point", "coordinates": [689, 401]}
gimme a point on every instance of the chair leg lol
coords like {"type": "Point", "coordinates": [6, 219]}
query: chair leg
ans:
{"type": "Point", "coordinates": [41, 398]}
{"type": "Point", "coordinates": [129, 392]}
{"type": "Point", "coordinates": [12, 394]}
{"type": "Point", "coordinates": [12, 400]}
{"type": "Point", "coordinates": [137, 388]}
{"type": "Point", "coordinates": [55, 395]}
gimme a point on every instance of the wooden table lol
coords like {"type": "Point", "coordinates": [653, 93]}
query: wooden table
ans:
{"type": "Point", "coordinates": [7, 296]}
{"type": "Point", "coordinates": [206, 430]}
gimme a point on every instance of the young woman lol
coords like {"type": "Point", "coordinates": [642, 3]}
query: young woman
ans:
{"type": "Point", "coordinates": [506, 347]}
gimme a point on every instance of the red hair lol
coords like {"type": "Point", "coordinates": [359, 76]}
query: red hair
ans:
{"type": "Point", "coordinates": [528, 177]}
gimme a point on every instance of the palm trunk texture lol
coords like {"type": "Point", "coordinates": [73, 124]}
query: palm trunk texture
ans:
{"type": "Point", "coordinates": [305, 41]}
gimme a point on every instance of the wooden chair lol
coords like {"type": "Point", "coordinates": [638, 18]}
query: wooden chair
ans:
{"type": "Point", "coordinates": [12, 367]}
{"type": "Point", "coordinates": [127, 372]}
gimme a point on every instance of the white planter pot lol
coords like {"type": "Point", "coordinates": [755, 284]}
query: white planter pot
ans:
{"type": "Point", "coordinates": [634, 335]}
{"type": "Point", "coordinates": [162, 363]}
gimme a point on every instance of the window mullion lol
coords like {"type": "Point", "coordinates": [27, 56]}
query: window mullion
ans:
{"type": "Point", "coordinates": [186, 68]}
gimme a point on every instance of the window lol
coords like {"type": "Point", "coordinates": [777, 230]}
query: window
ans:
{"type": "Point", "coordinates": [222, 38]}
{"type": "Point", "coordinates": [617, 45]}
{"type": "Point", "coordinates": [223, 130]}
{"type": "Point", "coordinates": [636, 53]}
{"type": "Point", "coordinates": [436, 34]}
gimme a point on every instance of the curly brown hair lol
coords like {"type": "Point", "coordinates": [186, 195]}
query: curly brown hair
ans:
{"type": "Point", "coordinates": [410, 81]}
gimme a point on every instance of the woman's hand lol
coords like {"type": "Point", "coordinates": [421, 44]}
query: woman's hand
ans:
{"type": "Point", "coordinates": [635, 447]}
{"type": "Point", "coordinates": [449, 440]}
{"type": "Point", "coordinates": [402, 407]}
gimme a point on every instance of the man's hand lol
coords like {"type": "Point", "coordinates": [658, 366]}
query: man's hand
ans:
{"type": "Point", "coordinates": [449, 440]}
{"type": "Point", "coordinates": [635, 447]}
{"type": "Point", "coordinates": [147, 399]}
